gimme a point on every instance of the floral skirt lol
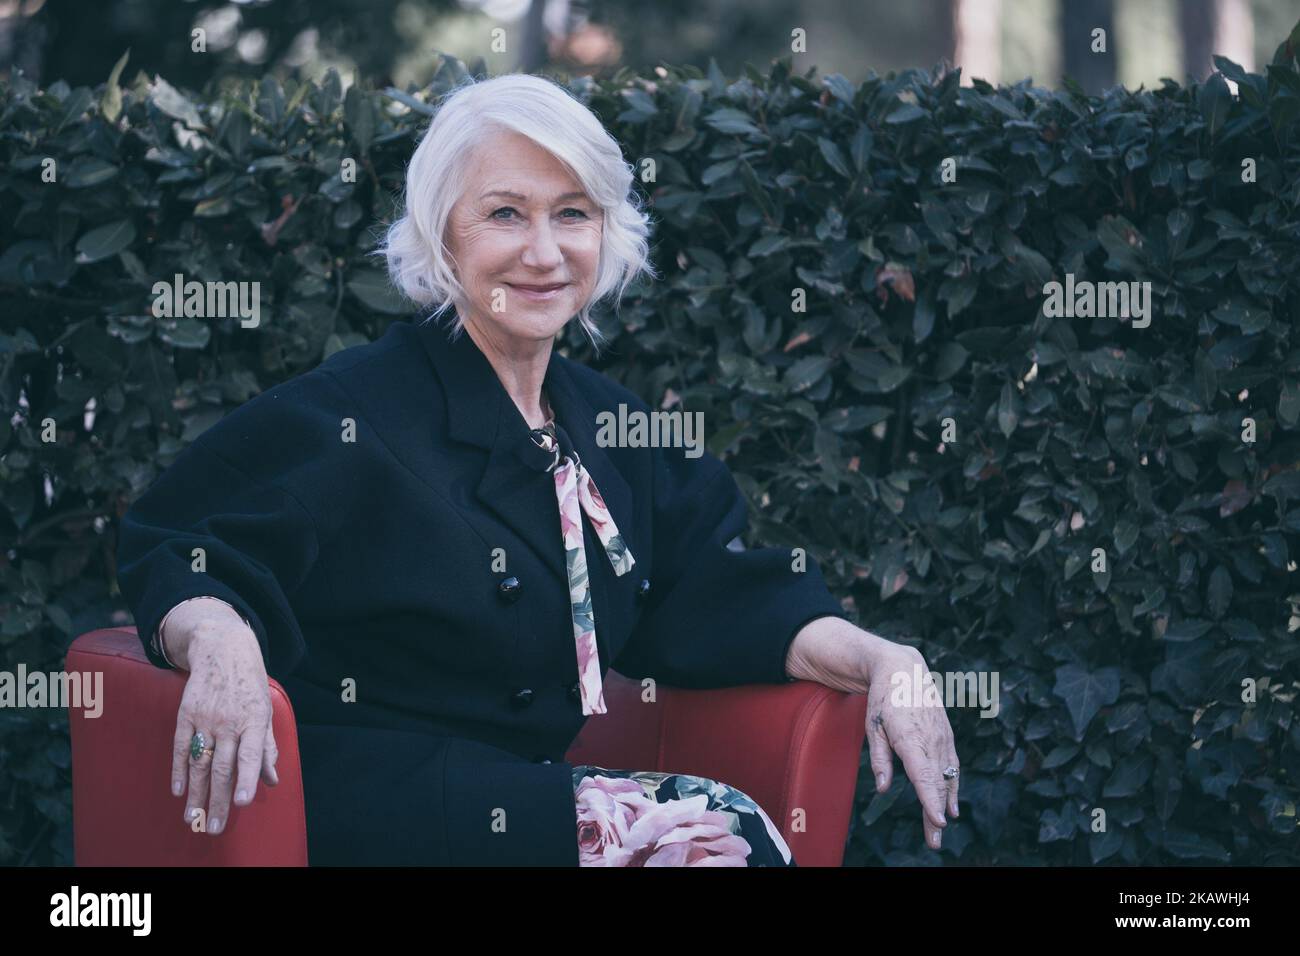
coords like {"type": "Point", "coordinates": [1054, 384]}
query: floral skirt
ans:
{"type": "Point", "coordinates": [642, 818]}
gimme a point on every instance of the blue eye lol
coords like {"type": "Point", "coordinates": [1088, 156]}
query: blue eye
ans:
{"type": "Point", "coordinates": [503, 209]}
{"type": "Point", "coordinates": [578, 211]}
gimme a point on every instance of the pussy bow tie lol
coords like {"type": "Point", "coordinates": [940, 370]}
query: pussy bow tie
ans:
{"type": "Point", "coordinates": [574, 489]}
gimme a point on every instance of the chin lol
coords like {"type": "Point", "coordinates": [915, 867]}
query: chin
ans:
{"type": "Point", "coordinates": [546, 318]}
{"type": "Point", "coordinates": [534, 323]}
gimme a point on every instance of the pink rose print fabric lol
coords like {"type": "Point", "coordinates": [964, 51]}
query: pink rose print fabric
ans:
{"type": "Point", "coordinates": [631, 818]}
{"type": "Point", "coordinates": [577, 494]}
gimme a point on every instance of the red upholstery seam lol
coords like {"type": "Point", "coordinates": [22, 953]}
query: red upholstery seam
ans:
{"type": "Point", "coordinates": [803, 720]}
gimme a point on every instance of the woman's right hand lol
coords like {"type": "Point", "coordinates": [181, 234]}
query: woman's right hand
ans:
{"type": "Point", "coordinates": [228, 699]}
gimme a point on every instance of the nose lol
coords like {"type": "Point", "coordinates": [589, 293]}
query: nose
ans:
{"type": "Point", "coordinates": [541, 251]}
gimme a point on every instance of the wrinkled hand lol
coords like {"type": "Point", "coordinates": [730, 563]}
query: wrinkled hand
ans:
{"type": "Point", "coordinates": [228, 699]}
{"type": "Point", "coordinates": [920, 734]}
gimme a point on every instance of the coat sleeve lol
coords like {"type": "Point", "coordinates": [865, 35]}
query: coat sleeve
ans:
{"type": "Point", "coordinates": [716, 617]}
{"type": "Point", "coordinates": [237, 494]}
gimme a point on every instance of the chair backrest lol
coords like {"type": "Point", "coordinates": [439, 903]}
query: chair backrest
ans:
{"type": "Point", "coordinates": [794, 748]}
{"type": "Point", "coordinates": [123, 810]}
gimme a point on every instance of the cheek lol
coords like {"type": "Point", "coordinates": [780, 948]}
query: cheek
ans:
{"type": "Point", "coordinates": [487, 251]}
{"type": "Point", "coordinates": [584, 248]}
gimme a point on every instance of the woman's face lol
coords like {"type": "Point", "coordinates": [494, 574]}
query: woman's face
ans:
{"type": "Point", "coordinates": [524, 239]}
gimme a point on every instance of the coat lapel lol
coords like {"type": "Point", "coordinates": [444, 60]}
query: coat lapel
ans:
{"type": "Point", "coordinates": [514, 484]}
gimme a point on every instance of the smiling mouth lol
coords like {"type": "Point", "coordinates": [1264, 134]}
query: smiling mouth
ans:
{"type": "Point", "coordinates": [538, 288]}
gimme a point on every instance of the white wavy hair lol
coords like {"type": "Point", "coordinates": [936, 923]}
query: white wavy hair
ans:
{"type": "Point", "coordinates": [419, 263]}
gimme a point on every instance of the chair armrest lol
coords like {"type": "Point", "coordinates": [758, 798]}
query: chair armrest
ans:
{"type": "Point", "coordinates": [123, 810]}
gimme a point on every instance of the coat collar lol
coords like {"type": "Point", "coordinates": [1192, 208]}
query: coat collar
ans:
{"type": "Point", "coordinates": [514, 484]}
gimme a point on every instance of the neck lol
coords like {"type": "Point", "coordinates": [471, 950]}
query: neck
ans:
{"type": "Point", "coordinates": [521, 366]}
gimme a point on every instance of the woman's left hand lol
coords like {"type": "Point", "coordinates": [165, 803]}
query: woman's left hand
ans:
{"type": "Point", "coordinates": [834, 652]}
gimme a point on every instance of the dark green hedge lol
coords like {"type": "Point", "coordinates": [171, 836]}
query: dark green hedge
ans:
{"type": "Point", "coordinates": [1120, 690]}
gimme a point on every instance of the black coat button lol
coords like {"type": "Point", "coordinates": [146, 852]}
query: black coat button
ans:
{"type": "Point", "coordinates": [643, 589]}
{"type": "Point", "coordinates": [508, 590]}
{"type": "Point", "coordinates": [521, 698]}
{"type": "Point", "coordinates": [575, 693]}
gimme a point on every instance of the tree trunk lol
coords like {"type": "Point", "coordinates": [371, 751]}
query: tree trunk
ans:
{"type": "Point", "coordinates": [977, 28]}
{"type": "Point", "coordinates": [532, 44]}
{"type": "Point", "coordinates": [1225, 27]}
{"type": "Point", "coordinates": [1095, 72]}
{"type": "Point", "coordinates": [1196, 24]}
{"type": "Point", "coordinates": [945, 28]}
{"type": "Point", "coordinates": [1234, 33]}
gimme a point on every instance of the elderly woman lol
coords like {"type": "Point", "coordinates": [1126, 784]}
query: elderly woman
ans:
{"type": "Point", "coordinates": [425, 543]}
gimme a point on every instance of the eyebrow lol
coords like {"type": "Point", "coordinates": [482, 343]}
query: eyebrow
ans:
{"type": "Point", "coordinates": [519, 197]}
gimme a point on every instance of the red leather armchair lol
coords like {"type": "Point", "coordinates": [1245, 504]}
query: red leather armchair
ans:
{"type": "Point", "coordinates": [788, 746]}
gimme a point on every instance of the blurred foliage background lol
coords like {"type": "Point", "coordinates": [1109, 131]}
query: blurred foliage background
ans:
{"type": "Point", "coordinates": [392, 41]}
{"type": "Point", "coordinates": [1120, 689]}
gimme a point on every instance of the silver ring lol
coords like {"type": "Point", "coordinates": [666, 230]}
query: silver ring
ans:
{"type": "Point", "coordinates": [949, 773]}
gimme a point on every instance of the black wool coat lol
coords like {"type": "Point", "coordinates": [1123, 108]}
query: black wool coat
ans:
{"type": "Point", "coordinates": [358, 516]}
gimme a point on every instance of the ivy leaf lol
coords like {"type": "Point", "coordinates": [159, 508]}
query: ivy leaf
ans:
{"type": "Point", "coordinates": [1008, 410]}
{"type": "Point", "coordinates": [766, 245]}
{"type": "Point", "coordinates": [1106, 844]}
{"type": "Point", "coordinates": [174, 103]}
{"type": "Point", "coordinates": [375, 291]}
{"type": "Point", "coordinates": [806, 373]}
{"type": "Point", "coordinates": [881, 802]}
{"type": "Point", "coordinates": [90, 171]}
{"type": "Point", "coordinates": [907, 113]}
{"type": "Point", "coordinates": [952, 356]}
{"type": "Point", "coordinates": [1288, 403]}
{"type": "Point", "coordinates": [991, 800]}
{"type": "Point", "coordinates": [410, 102]}
{"type": "Point", "coordinates": [1126, 534]}
{"type": "Point", "coordinates": [1129, 777]}
{"type": "Point", "coordinates": [1152, 598]}
{"type": "Point", "coordinates": [184, 333]}
{"type": "Point", "coordinates": [110, 104]}
{"type": "Point", "coordinates": [892, 581]}
{"type": "Point", "coordinates": [733, 121]}
{"type": "Point", "coordinates": [834, 158]}
{"type": "Point", "coordinates": [1219, 593]}
{"type": "Point", "coordinates": [1190, 846]}
{"type": "Point", "coordinates": [1122, 240]}
{"type": "Point", "coordinates": [359, 115]}
{"type": "Point", "coordinates": [1188, 629]}
{"type": "Point", "coordinates": [923, 316]}
{"type": "Point", "coordinates": [860, 147]}
{"type": "Point", "coordinates": [1085, 693]}
{"type": "Point", "coordinates": [105, 241]}
{"type": "Point", "coordinates": [1285, 484]}
{"type": "Point", "coordinates": [1235, 496]}
{"type": "Point", "coordinates": [1214, 100]}
{"type": "Point", "coordinates": [1053, 826]}
{"type": "Point", "coordinates": [1060, 755]}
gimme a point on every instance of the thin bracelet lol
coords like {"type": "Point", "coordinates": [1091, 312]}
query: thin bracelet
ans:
{"type": "Point", "coordinates": [161, 646]}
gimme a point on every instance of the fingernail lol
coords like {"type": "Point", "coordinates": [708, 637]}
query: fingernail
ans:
{"type": "Point", "coordinates": [880, 781]}
{"type": "Point", "coordinates": [936, 838]}
{"type": "Point", "coordinates": [242, 796]}
{"type": "Point", "coordinates": [215, 827]}
{"type": "Point", "coordinates": [176, 788]}
{"type": "Point", "coordinates": [192, 814]}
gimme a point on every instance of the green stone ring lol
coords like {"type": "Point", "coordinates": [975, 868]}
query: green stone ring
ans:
{"type": "Point", "coordinates": [197, 748]}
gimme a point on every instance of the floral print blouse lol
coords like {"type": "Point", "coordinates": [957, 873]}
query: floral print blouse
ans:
{"type": "Point", "coordinates": [640, 818]}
